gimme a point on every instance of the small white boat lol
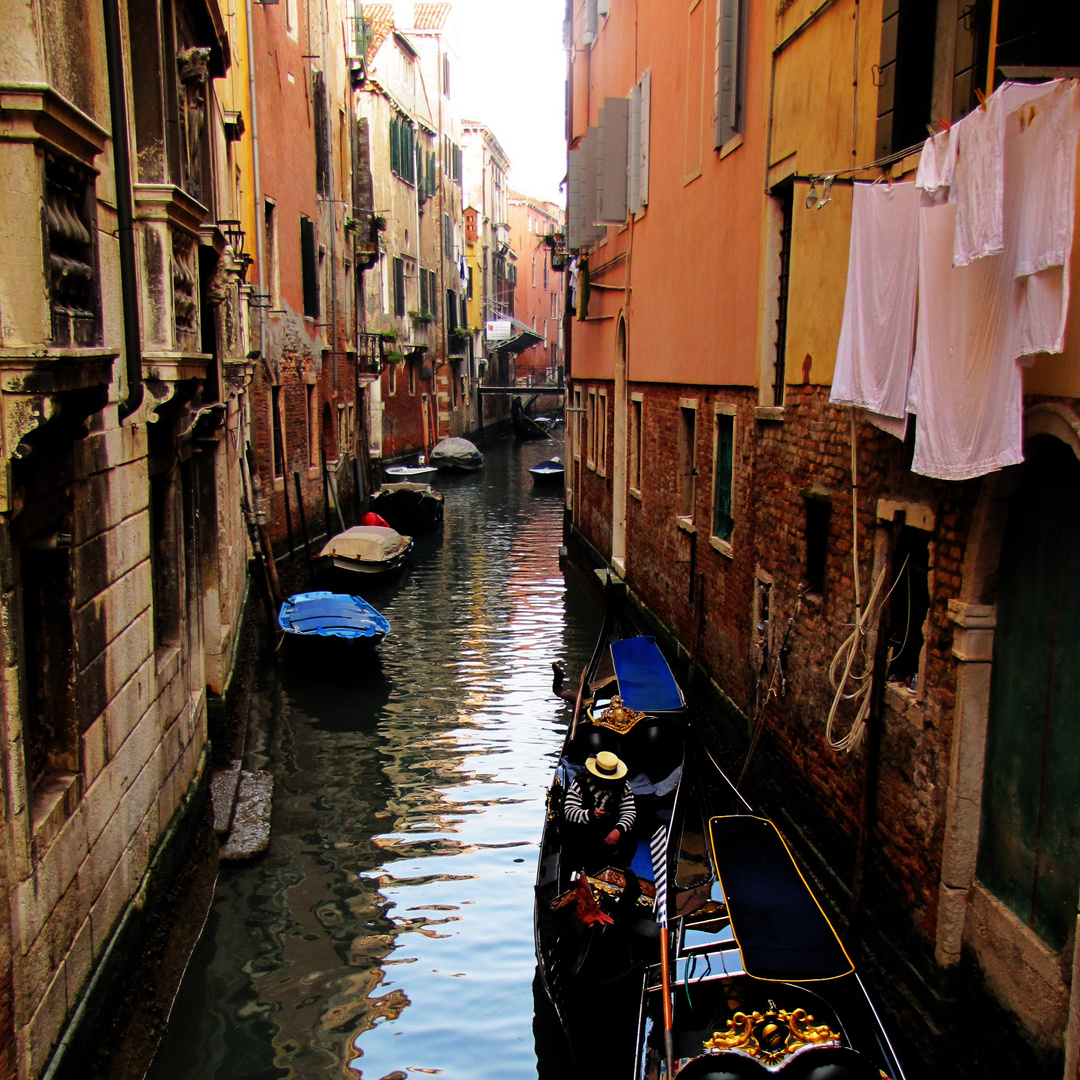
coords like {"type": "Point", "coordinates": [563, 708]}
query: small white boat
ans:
{"type": "Point", "coordinates": [408, 471]}
{"type": "Point", "coordinates": [364, 549]}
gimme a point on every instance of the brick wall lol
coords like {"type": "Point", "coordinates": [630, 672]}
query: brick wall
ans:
{"type": "Point", "coordinates": [706, 595]}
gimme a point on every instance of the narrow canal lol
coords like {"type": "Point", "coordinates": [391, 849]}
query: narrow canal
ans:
{"type": "Point", "coordinates": [387, 932]}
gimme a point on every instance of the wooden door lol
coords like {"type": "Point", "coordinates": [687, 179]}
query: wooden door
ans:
{"type": "Point", "coordinates": [1029, 851]}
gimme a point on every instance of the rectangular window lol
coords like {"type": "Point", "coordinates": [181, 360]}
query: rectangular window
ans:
{"type": "Point", "coordinates": [731, 68]}
{"type": "Point", "coordinates": [448, 237]}
{"type": "Point", "coordinates": [601, 432]}
{"type": "Point", "coordinates": [578, 420]}
{"type": "Point", "coordinates": [278, 432]}
{"type": "Point", "coordinates": [425, 303]}
{"type": "Point", "coordinates": [590, 430]}
{"type": "Point", "coordinates": [273, 276]}
{"type": "Point", "coordinates": [412, 379]}
{"type": "Point", "coordinates": [451, 310]}
{"type": "Point", "coordinates": [785, 199]}
{"type": "Point", "coordinates": [309, 267]}
{"type": "Point", "coordinates": [723, 521]}
{"type": "Point", "coordinates": [312, 426]}
{"type": "Point", "coordinates": [322, 153]}
{"type": "Point", "coordinates": [909, 605]}
{"type": "Point", "coordinates": [391, 377]}
{"type": "Point", "coordinates": [403, 149]}
{"type": "Point", "coordinates": [636, 408]}
{"type": "Point", "coordinates": [687, 460]}
{"type": "Point", "coordinates": [638, 150]}
{"type": "Point", "coordinates": [818, 517]}
{"type": "Point", "coordinates": [399, 287]}
{"type": "Point", "coordinates": [906, 74]}
{"type": "Point", "coordinates": [694, 110]}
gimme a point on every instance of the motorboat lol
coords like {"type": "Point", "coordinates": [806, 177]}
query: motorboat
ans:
{"type": "Point", "coordinates": [320, 619]}
{"type": "Point", "coordinates": [548, 473]}
{"type": "Point", "coordinates": [364, 549]}
{"type": "Point", "coordinates": [409, 506]}
{"type": "Point", "coordinates": [456, 455]}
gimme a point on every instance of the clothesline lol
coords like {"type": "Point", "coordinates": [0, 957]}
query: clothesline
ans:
{"type": "Point", "coordinates": [955, 280]}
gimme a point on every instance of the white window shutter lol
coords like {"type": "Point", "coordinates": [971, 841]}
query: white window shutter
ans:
{"type": "Point", "coordinates": [575, 216]}
{"type": "Point", "coordinates": [611, 162]}
{"type": "Point", "coordinates": [727, 120]}
{"type": "Point", "coordinates": [590, 145]}
{"type": "Point", "coordinates": [592, 22]}
{"type": "Point", "coordinates": [633, 135]}
{"type": "Point", "coordinates": [643, 159]}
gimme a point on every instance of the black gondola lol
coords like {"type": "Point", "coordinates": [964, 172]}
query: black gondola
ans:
{"type": "Point", "coordinates": [759, 985]}
{"type": "Point", "coordinates": [525, 426]}
{"type": "Point", "coordinates": [594, 925]}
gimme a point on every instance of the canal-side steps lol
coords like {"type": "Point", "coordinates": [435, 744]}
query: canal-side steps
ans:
{"type": "Point", "coordinates": [241, 801]}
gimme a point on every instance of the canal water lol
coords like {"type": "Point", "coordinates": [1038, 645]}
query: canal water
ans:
{"type": "Point", "coordinates": [387, 932]}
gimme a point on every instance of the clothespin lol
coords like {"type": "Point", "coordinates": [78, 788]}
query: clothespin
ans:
{"type": "Point", "coordinates": [981, 96]}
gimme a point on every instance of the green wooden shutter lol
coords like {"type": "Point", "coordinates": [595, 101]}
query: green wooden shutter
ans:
{"type": "Point", "coordinates": [1029, 845]}
{"type": "Point", "coordinates": [309, 267]}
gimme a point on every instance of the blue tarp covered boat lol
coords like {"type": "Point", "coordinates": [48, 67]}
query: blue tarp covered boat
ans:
{"type": "Point", "coordinates": [322, 617]}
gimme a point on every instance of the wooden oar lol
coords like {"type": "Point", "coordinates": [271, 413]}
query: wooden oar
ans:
{"type": "Point", "coordinates": [577, 704]}
{"type": "Point", "coordinates": [665, 988]}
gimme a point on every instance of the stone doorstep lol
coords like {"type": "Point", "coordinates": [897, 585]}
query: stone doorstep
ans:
{"type": "Point", "coordinates": [223, 788]}
{"type": "Point", "coordinates": [250, 829]}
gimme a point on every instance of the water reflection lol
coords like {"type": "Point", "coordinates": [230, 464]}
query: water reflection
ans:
{"type": "Point", "coordinates": [388, 931]}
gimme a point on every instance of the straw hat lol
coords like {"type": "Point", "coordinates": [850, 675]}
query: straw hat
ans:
{"type": "Point", "coordinates": [606, 766]}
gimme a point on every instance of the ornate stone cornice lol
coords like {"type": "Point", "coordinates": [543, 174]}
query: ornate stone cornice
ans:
{"type": "Point", "coordinates": [37, 113]}
{"type": "Point", "coordinates": [167, 202]}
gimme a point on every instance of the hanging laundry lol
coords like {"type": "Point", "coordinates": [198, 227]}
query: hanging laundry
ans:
{"type": "Point", "coordinates": [1047, 130]}
{"type": "Point", "coordinates": [979, 175]}
{"type": "Point", "coordinates": [936, 164]}
{"type": "Point", "coordinates": [877, 334]}
{"type": "Point", "coordinates": [966, 389]}
{"type": "Point", "coordinates": [1040, 190]}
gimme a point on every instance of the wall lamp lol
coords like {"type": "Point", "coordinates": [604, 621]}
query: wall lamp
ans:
{"type": "Point", "coordinates": [234, 234]}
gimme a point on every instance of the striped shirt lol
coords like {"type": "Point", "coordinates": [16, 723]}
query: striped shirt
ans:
{"type": "Point", "coordinates": [579, 803]}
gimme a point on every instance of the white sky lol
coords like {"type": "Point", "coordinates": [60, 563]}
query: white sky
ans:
{"type": "Point", "coordinates": [512, 77]}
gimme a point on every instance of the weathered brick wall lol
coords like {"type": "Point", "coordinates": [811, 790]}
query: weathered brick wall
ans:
{"type": "Point", "coordinates": [794, 774]}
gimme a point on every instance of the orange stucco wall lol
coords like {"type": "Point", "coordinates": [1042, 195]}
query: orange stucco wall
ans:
{"type": "Point", "coordinates": [688, 268]}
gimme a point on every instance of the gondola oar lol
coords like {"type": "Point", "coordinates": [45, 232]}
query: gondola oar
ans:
{"type": "Point", "coordinates": [577, 704]}
{"type": "Point", "coordinates": [658, 851]}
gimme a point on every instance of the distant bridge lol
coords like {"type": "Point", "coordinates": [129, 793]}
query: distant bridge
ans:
{"type": "Point", "coordinates": [536, 390]}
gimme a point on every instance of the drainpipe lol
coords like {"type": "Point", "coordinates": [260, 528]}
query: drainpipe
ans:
{"type": "Point", "coordinates": [260, 218]}
{"type": "Point", "coordinates": [129, 286]}
{"type": "Point", "coordinates": [330, 197]}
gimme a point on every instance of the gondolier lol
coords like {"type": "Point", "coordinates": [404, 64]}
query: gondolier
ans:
{"type": "Point", "coordinates": [600, 806]}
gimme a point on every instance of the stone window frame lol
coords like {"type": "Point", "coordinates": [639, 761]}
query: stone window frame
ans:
{"type": "Point", "coordinates": [919, 516]}
{"type": "Point", "coordinates": [590, 429]}
{"type": "Point", "coordinates": [637, 445]}
{"type": "Point", "coordinates": [725, 547]}
{"type": "Point", "coordinates": [577, 413]}
{"type": "Point", "coordinates": [601, 431]}
{"type": "Point", "coordinates": [686, 469]}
